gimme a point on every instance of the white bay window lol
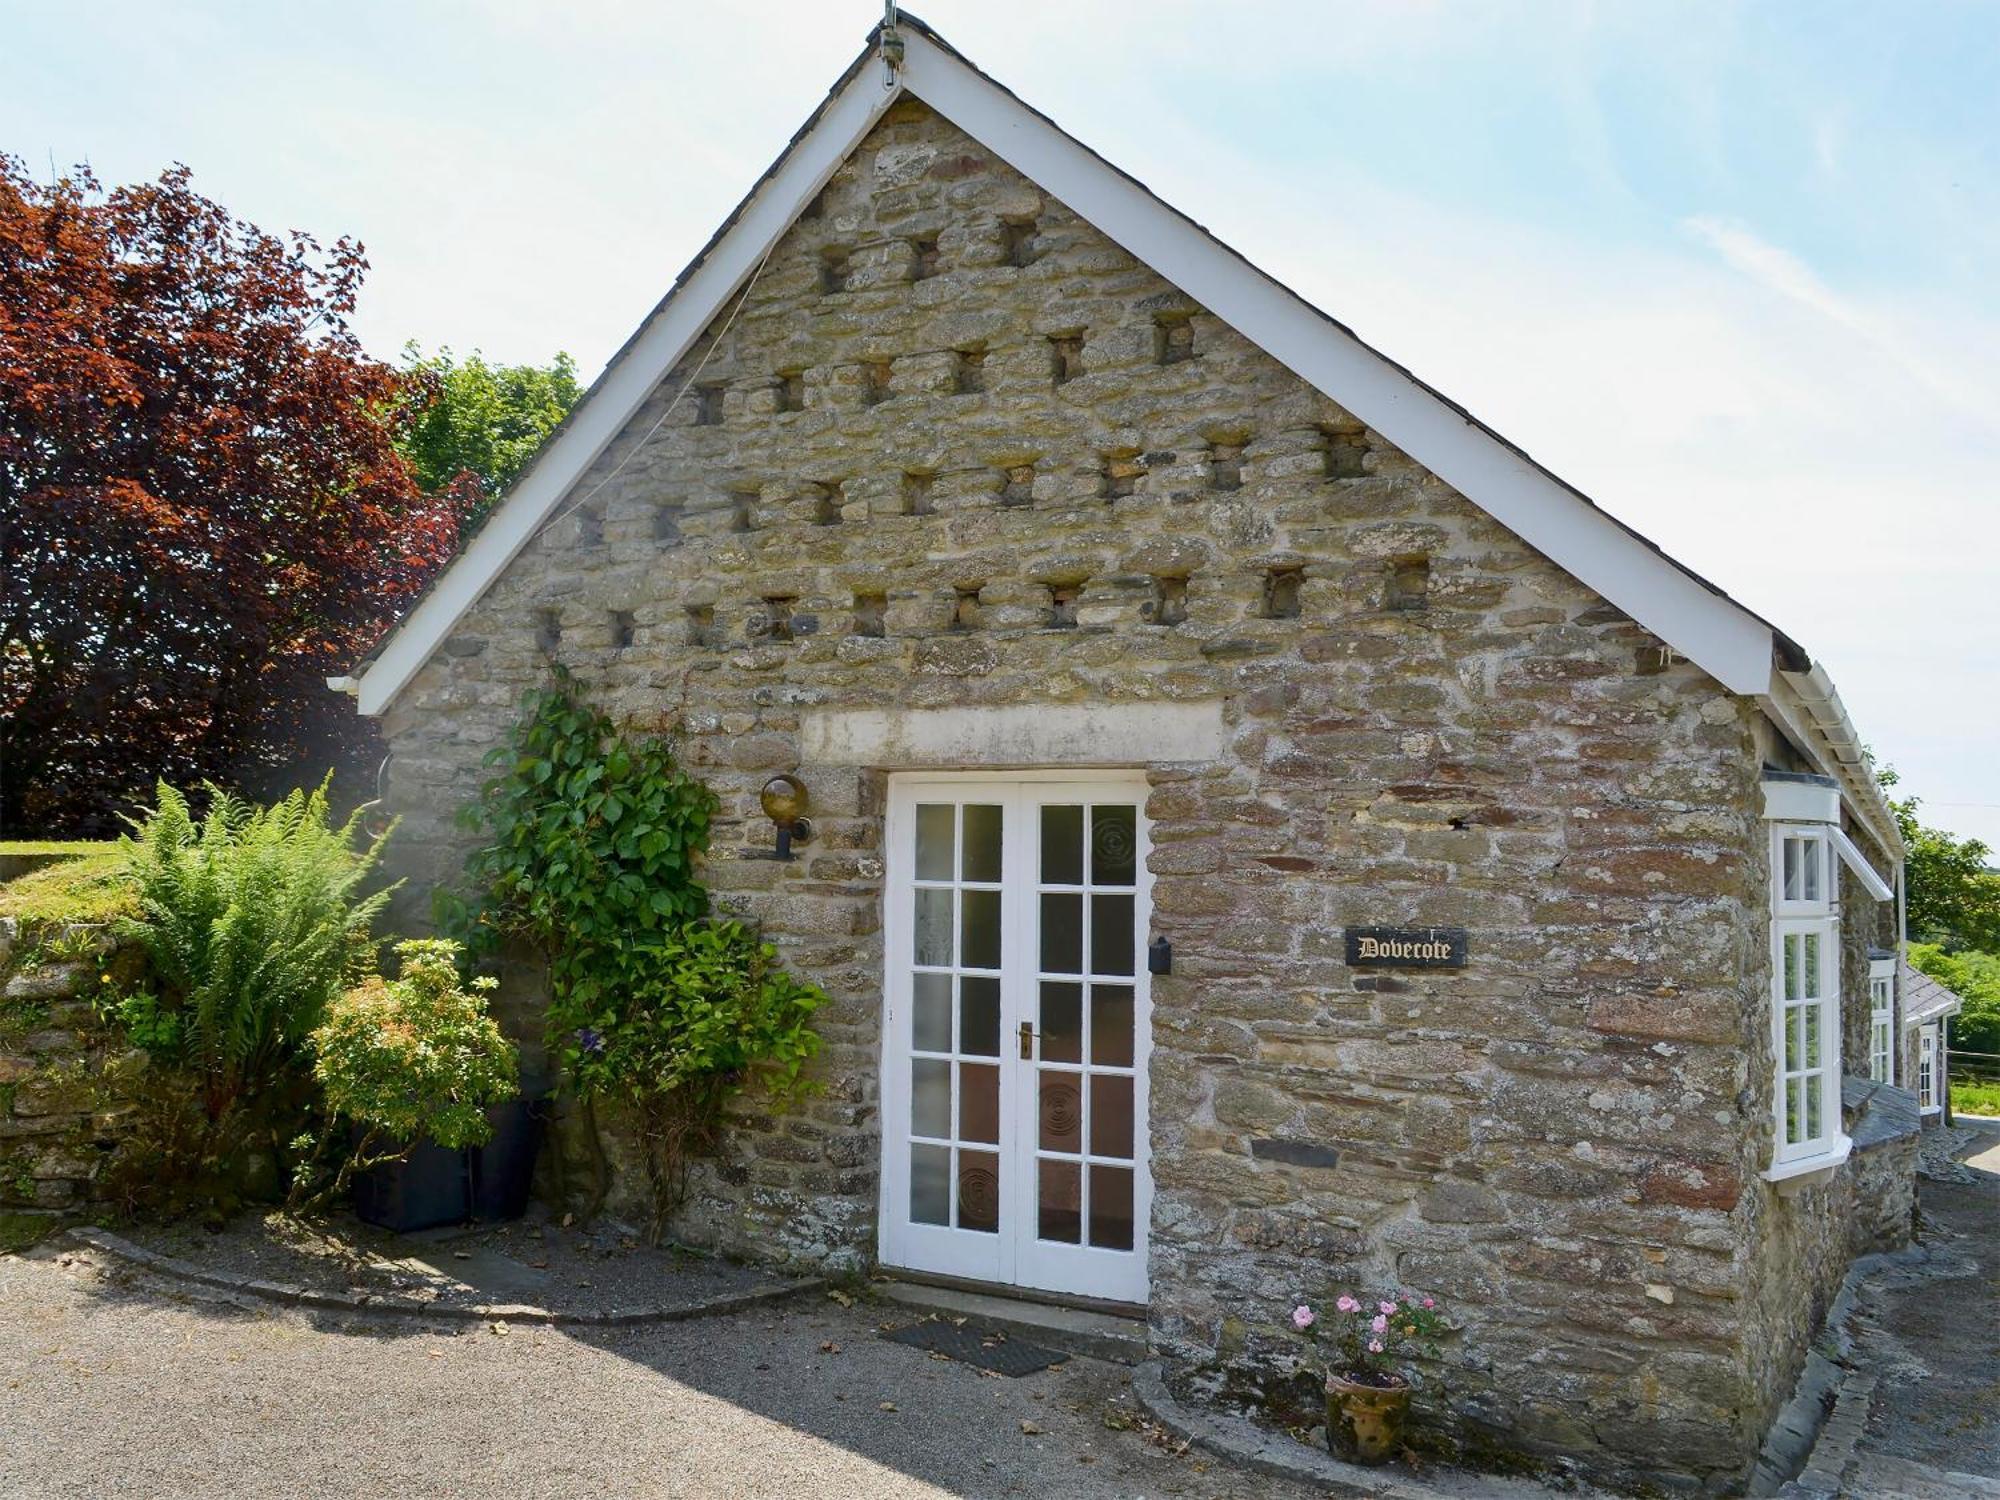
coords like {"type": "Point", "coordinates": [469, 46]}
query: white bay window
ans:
{"type": "Point", "coordinates": [1805, 980]}
{"type": "Point", "coordinates": [1882, 1020]}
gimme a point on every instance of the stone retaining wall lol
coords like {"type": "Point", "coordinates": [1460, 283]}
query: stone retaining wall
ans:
{"type": "Point", "coordinates": [61, 1077]}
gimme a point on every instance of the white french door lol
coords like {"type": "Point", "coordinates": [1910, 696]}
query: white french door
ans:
{"type": "Point", "coordinates": [1016, 1026]}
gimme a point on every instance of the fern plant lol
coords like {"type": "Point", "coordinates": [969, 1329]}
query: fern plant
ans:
{"type": "Point", "coordinates": [254, 918]}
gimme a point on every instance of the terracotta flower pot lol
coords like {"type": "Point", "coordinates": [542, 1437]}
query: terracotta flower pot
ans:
{"type": "Point", "coordinates": [1364, 1423]}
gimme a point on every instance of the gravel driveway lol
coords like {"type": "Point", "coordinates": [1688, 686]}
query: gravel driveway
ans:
{"type": "Point", "coordinates": [115, 1385]}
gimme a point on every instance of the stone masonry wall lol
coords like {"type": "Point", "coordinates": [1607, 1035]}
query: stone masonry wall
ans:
{"type": "Point", "coordinates": [960, 450]}
{"type": "Point", "coordinates": [62, 1108]}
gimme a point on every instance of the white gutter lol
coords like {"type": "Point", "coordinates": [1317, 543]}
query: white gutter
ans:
{"type": "Point", "coordinates": [1827, 721]}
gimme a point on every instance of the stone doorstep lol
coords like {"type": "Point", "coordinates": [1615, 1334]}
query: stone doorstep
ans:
{"type": "Point", "coordinates": [1099, 1335]}
{"type": "Point", "coordinates": [1281, 1456]}
{"type": "Point", "coordinates": [120, 1248]}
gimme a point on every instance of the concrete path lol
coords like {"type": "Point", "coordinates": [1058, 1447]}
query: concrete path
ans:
{"type": "Point", "coordinates": [114, 1384]}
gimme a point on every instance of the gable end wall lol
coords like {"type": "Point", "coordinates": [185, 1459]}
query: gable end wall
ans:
{"type": "Point", "coordinates": [974, 455]}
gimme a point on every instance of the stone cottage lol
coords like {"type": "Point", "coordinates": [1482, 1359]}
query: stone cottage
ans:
{"type": "Point", "coordinates": [1268, 834]}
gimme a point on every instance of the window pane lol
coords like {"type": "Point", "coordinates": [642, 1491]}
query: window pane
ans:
{"type": "Point", "coordinates": [1111, 1207]}
{"type": "Point", "coordinates": [981, 930]}
{"type": "Point", "coordinates": [1794, 1111]}
{"type": "Point", "coordinates": [934, 840]}
{"type": "Point", "coordinates": [930, 1184]}
{"type": "Point", "coordinates": [1789, 848]}
{"type": "Point", "coordinates": [979, 1016]}
{"type": "Point", "coordinates": [1062, 1022]}
{"type": "Point", "coordinates": [1114, 845]}
{"type": "Point", "coordinates": [1791, 951]}
{"type": "Point", "coordinates": [930, 1018]}
{"type": "Point", "coordinates": [930, 1097]}
{"type": "Point", "coordinates": [1812, 1019]}
{"type": "Point", "coordinates": [982, 842]}
{"type": "Point", "coordinates": [1810, 983]}
{"type": "Point", "coordinates": [1812, 1088]}
{"type": "Point", "coordinates": [1111, 934]}
{"type": "Point", "coordinates": [1810, 864]}
{"type": "Point", "coordinates": [1111, 1115]}
{"type": "Point", "coordinates": [1111, 1025]}
{"type": "Point", "coordinates": [979, 1191]}
{"type": "Point", "coordinates": [934, 928]}
{"type": "Point", "coordinates": [1794, 1035]}
{"type": "Point", "coordinates": [1062, 846]}
{"type": "Point", "coordinates": [979, 1103]}
{"type": "Point", "coordinates": [1059, 1201]}
{"type": "Point", "coordinates": [1062, 934]}
{"type": "Point", "coordinates": [1061, 1111]}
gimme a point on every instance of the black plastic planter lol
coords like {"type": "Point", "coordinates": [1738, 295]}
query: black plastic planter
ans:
{"type": "Point", "coordinates": [434, 1186]}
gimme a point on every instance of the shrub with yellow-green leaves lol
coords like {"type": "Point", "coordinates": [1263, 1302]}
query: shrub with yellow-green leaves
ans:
{"type": "Point", "coordinates": [417, 1055]}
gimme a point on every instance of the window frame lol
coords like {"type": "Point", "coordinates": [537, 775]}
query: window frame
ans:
{"type": "Point", "coordinates": [1882, 1020]}
{"type": "Point", "coordinates": [1814, 924]}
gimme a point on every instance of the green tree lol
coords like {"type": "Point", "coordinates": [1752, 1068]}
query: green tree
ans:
{"type": "Point", "coordinates": [1975, 978]}
{"type": "Point", "coordinates": [1953, 897]}
{"type": "Point", "coordinates": [478, 424]}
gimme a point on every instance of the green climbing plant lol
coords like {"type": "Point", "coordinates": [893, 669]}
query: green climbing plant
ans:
{"type": "Point", "coordinates": [590, 841]}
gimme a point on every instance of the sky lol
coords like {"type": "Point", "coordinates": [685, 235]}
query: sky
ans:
{"type": "Point", "coordinates": [1728, 268]}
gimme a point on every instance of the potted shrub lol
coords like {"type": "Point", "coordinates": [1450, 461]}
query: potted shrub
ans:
{"type": "Point", "coordinates": [411, 1068]}
{"type": "Point", "coordinates": [1367, 1398]}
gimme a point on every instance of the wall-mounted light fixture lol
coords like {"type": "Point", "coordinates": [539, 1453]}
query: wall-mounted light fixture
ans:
{"type": "Point", "coordinates": [784, 800]}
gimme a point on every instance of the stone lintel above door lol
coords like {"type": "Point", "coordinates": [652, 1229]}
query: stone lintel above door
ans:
{"type": "Point", "coordinates": [1016, 735]}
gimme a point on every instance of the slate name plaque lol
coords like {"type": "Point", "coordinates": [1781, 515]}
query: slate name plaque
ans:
{"type": "Point", "coordinates": [1406, 947]}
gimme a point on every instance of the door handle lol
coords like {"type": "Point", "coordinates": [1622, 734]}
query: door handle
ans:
{"type": "Point", "coordinates": [1027, 1041]}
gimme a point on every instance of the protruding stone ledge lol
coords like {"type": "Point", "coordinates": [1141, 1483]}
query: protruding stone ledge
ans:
{"type": "Point", "coordinates": [120, 1248]}
{"type": "Point", "coordinates": [1241, 1441]}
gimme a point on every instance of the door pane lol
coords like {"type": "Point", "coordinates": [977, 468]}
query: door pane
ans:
{"type": "Point", "coordinates": [1111, 1115]}
{"type": "Point", "coordinates": [930, 1019]}
{"type": "Point", "coordinates": [1111, 1207]}
{"type": "Point", "coordinates": [1062, 1022]}
{"type": "Point", "coordinates": [979, 1191]}
{"type": "Point", "coordinates": [1114, 845]}
{"type": "Point", "coordinates": [980, 932]}
{"type": "Point", "coordinates": [934, 928]}
{"type": "Point", "coordinates": [1062, 846]}
{"type": "Point", "coordinates": [934, 840]}
{"type": "Point", "coordinates": [979, 1016]}
{"type": "Point", "coordinates": [930, 1184]}
{"type": "Point", "coordinates": [1059, 1202]}
{"type": "Point", "coordinates": [1062, 934]}
{"type": "Point", "coordinates": [982, 842]}
{"type": "Point", "coordinates": [1061, 1111]}
{"type": "Point", "coordinates": [1110, 934]}
{"type": "Point", "coordinates": [930, 1098]}
{"type": "Point", "coordinates": [979, 1103]}
{"type": "Point", "coordinates": [1111, 1025]}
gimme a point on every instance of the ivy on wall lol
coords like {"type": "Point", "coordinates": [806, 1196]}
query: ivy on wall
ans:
{"type": "Point", "coordinates": [591, 838]}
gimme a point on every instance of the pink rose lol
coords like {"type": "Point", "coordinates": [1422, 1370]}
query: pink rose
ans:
{"type": "Point", "coordinates": [1388, 1308]}
{"type": "Point", "coordinates": [1374, 1346]}
{"type": "Point", "coordinates": [1380, 1324]}
{"type": "Point", "coordinates": [1347, 1304]}
{"type": "Point", "coordinates": [1428, 1303]}
{"type": "Point", "coordinates": [1302, 1317]}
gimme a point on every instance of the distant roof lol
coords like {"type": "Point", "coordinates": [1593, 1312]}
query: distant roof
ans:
{"type": "Point", "coordinates": [1924, 999]}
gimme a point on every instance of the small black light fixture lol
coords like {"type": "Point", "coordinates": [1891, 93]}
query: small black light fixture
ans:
{"type": "Point", "coordinates": [784, 801]}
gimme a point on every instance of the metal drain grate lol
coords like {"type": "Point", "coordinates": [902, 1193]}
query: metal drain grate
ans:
{"type": "Point", "coordinates": [987, 1348]}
